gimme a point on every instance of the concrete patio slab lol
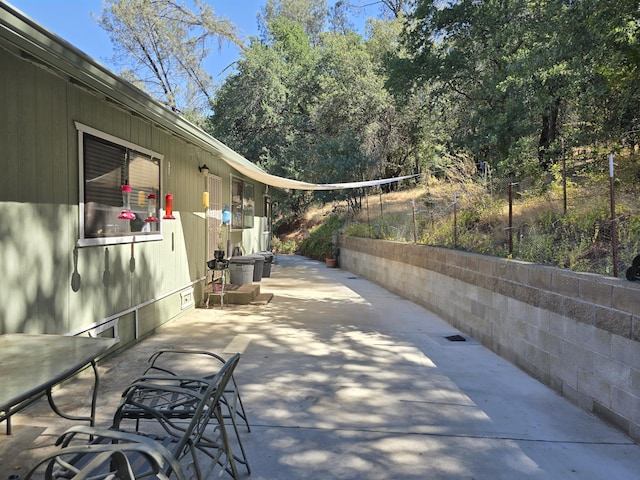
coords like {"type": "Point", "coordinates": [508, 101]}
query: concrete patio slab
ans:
{"type": "Point", "coordinates": [343, 380]}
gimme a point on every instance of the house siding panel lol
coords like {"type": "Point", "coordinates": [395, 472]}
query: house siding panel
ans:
{"type": "Point", "coordinates": [39, 196]}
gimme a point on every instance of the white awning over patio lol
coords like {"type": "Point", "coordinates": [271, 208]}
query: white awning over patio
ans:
{"type": "Point", "coordinates": [244, 166]}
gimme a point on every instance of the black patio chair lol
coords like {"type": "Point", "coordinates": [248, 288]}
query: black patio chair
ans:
{"type": "Point", "coordinates": [196, 440]}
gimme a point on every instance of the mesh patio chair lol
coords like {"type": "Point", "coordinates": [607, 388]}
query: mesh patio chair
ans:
{"type": "Point", "coordinates": [195, 441]}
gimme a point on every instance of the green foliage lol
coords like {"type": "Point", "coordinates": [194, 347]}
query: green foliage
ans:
{"type": "Point", "coordinates": [363, 230]}
{"type": "Point", "coordinates": [320, 242]}
{"type": "Point", "coordinates": [468, 219]}
{"type": "Point", "coordinates": [514, 80]}
{"type": "Point", "coordinates": [430, 82]}
{"type": "Point", "coordinates": [634, 227]}
{"type": "Point", "coordinates": [312, 105]}
{"type": "Point", "coordinates": [287, 247]}
{"type": "Point", "coordinates": [516, 84]}
{"type": "Point", "coordinates": [311, 15]}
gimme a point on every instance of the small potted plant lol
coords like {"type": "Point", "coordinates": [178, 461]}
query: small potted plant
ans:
{"type": "Point", "coordinates": [331, 256]}
{"type": "Point", "coordinates": [219, 252]}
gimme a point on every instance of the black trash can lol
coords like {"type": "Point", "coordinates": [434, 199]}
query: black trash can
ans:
{"type": "Point", "coordinates": [268, 260]}
{"type": "Point", "coordinates": [258, 265]}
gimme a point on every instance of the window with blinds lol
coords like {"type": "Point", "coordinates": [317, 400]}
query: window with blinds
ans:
{"type": "Point", "coordinates": [108, 163]}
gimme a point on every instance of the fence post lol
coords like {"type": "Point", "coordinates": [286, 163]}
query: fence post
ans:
{"type": "Point", "coordinates": [564, 178]}
{"type": "Point", "coordinates": [614, 230]}
{"type": "Point", "coordinates": [455, 220]}
{"type": "Point", "coordinates": [368, 218]}
{"type": "Point", "coordinates": [413, 210]}
{"type": "Point", "coordinates": [510, 219]}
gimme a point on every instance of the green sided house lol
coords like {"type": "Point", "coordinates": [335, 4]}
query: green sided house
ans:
{"type": "Point", "coordinates": [107, 212]}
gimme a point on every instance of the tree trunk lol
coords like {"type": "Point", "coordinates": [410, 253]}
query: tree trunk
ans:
{"type": "Point", "coordinates": [548, 134]}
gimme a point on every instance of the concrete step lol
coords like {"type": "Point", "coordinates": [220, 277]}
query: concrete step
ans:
{"type": "Point", "coordinates": [247, 294]}
{"type": "Point", "coordinates": [262, 299]}
{"type": "Point", "coordinates": [242, 295]}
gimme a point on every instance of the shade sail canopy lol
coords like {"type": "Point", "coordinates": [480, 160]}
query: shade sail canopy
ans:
{"type": "Point", "coordinates": [287, 183]}
{"type": "Point", "coordinates": [244, 166]}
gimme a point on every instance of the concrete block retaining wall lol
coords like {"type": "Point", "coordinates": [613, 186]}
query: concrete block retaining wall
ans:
{"type": "Point", "coordinates": [578, 333]}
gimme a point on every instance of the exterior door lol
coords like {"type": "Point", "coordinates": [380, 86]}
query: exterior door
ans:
{"type": "Point", "coordinates": [216, 235]}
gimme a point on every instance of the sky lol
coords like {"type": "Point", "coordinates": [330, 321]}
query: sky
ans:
{"type": "Point", "coordinates": [72, 21]}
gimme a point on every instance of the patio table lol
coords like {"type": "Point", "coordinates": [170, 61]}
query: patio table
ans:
{"type": "Point", "coordinates": [31, 365]}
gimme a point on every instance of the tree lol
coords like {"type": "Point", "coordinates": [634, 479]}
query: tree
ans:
{"type": "Point", "coordinates": [352, 102]}
{"type": "Point", "coordinates": [614, 61]}
{"type": "Point", "coordinates": [311, 15]}
{"type": "Point", "coordinates": [161, 44]}
{"type": "Point", "coordinates": [517, 76]}
{"type": "Point", "coordinates": [389, 9]}
{"type": "Point", "coordinates": [339, 20]}
{"type": "Point", "coordinates": [314, 107]}
{"type": "Point", "coordinates": [262, 110]}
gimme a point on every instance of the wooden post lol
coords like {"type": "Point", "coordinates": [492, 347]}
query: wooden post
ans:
{"type": "Point", "coordinates": [368, 218]}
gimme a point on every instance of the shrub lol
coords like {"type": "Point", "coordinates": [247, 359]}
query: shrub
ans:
{"type": "Point", "coordinates": [320, 243]}
{"type": "Point", "coordinates": [287, 247]}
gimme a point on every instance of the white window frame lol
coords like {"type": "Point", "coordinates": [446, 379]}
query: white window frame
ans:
{"type": "Point", "coordinates": [247, 205]}
{"type": "Point", "coordinates": [128, 237]}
